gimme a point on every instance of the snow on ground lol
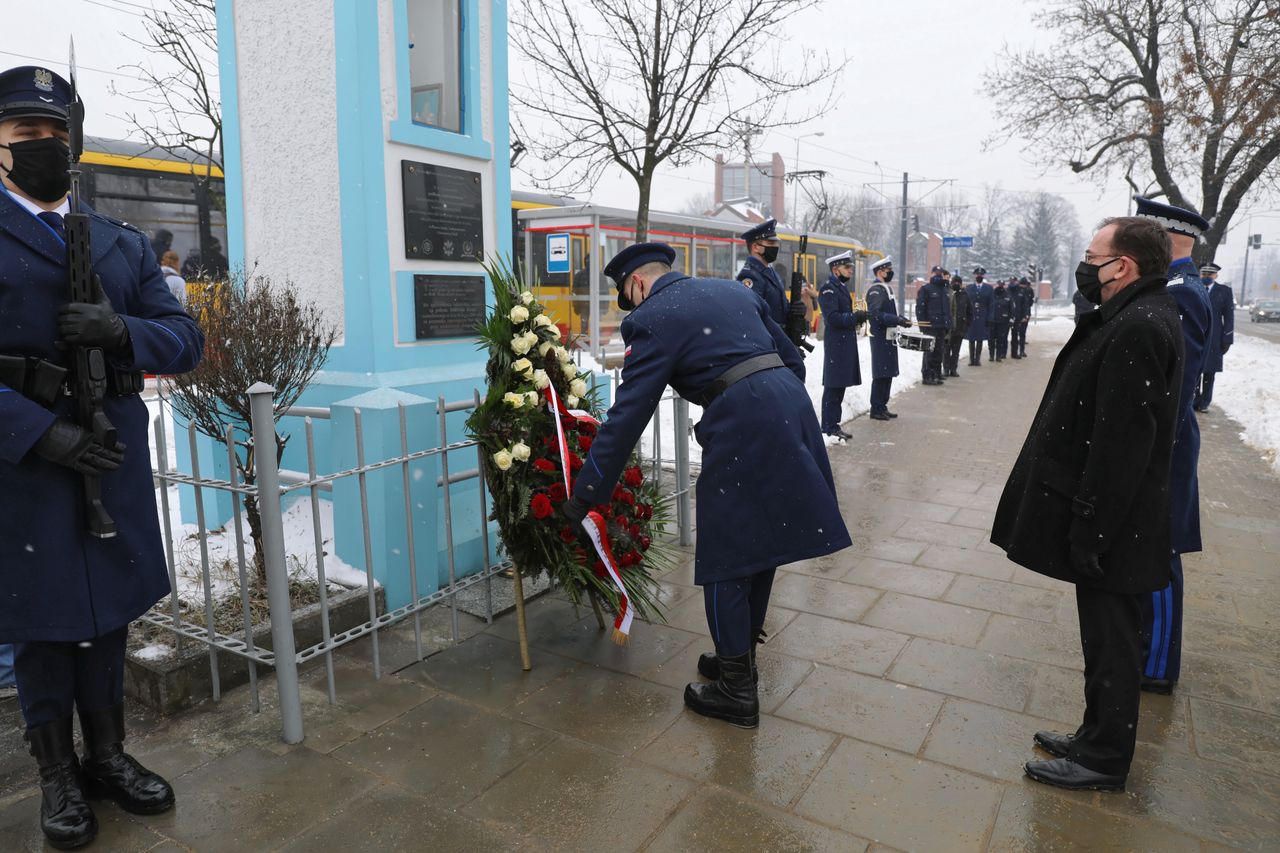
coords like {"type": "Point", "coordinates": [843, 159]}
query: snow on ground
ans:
{"type": "Point", "coordinates": [1248, 391]}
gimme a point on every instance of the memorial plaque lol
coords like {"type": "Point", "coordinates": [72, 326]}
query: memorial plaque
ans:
{"type": "Point", "coordinates": [443, 213]}
{"type": "Point", "coordinates": [447, 306]}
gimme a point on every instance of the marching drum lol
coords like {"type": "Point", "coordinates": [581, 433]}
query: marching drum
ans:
{"type": "Point", "coordinates": [915, 340]}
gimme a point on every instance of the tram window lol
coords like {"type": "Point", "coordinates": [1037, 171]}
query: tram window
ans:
{"type": "Point", "coordinates": [434, 63]}
{"type": "Point", "coordinates": [108, 183]}
{"type": "Point", "coordinates": [176, 188]}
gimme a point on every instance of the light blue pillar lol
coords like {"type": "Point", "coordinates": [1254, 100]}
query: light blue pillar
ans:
{"type": "Point", "coordinates": [388, 525]}
{"type": "Point", "coordinates": [214, 465]}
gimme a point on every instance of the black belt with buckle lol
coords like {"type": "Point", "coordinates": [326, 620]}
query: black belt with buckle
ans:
{"type": "Point", "coordinates": [43, 382]}
{"type": "Point", "coordinates": [734, 375]}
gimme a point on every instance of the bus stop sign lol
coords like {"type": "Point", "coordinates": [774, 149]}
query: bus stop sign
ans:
{"type": "Point", "coordinates": [557, 253]}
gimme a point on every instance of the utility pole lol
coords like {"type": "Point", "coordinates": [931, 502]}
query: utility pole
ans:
{"type": "Point", "coordinates": [902, 246]}
{"type": "Point", "coordinates": [1251, 241]}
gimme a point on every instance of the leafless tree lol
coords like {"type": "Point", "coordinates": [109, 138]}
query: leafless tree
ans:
{"type": "Point", "coordinates": [865, 216]}
{"type": "Point", "coordinates": [255, 330]}
{"type": "Point", "coordinates": [698, 204]}
{"type": "Point", "coordinates": [646, 84]}
{"type": "Point", "coordinates": [181, 110]}
{"type": "Point", "coordinates": [1180, 96]}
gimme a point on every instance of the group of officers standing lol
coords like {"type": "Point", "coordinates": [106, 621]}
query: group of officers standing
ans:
{"type": "Point", "coordinates": [952, 313]}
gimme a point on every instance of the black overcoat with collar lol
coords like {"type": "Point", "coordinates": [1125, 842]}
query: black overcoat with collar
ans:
{"type": "Point", "coordinates": [1094, 470]}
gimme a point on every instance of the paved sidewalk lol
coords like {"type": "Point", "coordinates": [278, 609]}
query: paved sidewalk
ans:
{"type": "Point", "coordinates": [902, 682]}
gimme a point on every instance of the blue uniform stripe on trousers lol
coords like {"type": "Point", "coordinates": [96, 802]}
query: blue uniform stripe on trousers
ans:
{"type": "Point", "coordinates": [1162, 668]}
{"type": "Point", "coordinates": [1157, 634]}
{"type": "Point", "coordinates": [715, 608]}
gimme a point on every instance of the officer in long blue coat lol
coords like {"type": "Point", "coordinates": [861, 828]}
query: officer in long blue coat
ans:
{"type": "Point", "coordinates": [1162, 610]}
{"type": "Point", "coordinates": [980, 295]}
{"type": "Point", "coordinates": [758, 273]}
{"type": "Point", "coordinates": [840, 367]}
{"type": "Point", "coordinates": [882, 312]}
{"type": "Point", "coordinates": [1221, 332]}
{"type": "Point", "coordinates": [765, 496]}
{"type": "Point", "coordinates": [933, 316]}
{"type": "Point", "coordinates": [68, 597]}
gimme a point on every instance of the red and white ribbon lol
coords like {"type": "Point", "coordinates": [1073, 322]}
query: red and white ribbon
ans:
{"type": "Point", "coordinates": [594, 523]}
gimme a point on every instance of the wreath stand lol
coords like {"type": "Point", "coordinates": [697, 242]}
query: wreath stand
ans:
{"type": "Point", "coordinates": [522, 626]}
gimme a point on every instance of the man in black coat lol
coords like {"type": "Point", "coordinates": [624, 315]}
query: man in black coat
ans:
{"type": "Point", "coordinates": [1088, 498]}
{"type": "Point", "coordinates": [961, 316]}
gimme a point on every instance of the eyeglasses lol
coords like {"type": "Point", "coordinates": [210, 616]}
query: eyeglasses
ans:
{"type": "Point", "coordinates": [1090, 258]}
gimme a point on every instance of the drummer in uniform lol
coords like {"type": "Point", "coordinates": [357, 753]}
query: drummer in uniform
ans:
{"type": "Point", "coordinates": [882, 312]}
{"type": "Point", "coordinates": [758, 273]}
{"type": "Point", "coordinates": [840, 367]}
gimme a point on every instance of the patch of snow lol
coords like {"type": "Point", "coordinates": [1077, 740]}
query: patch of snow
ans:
{"type": "Point", "coordinates": [155, 651]}
{"type": "Point", "coordinates": [1248, 392]}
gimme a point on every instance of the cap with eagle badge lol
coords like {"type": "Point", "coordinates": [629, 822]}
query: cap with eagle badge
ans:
{"type": "Point", "coordinates": [767, 230]}
{"type": "Point", "coordinates": [1209, 268]}
{"type": "Point", "coordinates": [631, 259]}
{"type": "Point", "coordinates": [1176, 219]}
{"type": "Point", "coordinates": [842, 258]}
{"type": "Point", "coordinates": [30, 91]}
{"type": "Point", "coordinates": [886, 261]}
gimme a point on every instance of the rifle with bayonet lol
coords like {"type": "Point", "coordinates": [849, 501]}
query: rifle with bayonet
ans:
{"type": "Point", "coordinates": [797, 326]}
{"type": "Point", "coordinates": [89, 364]}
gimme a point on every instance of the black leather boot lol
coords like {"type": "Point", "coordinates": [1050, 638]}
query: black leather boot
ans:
{"type": "Point", "coordinates": [731, 698]}
{"type": "Point", "coordinates": [709, 662]}
{"type": "Point", "coordinates": [65, 817]}
{"type": "Point", "coordinates": [112, 774]}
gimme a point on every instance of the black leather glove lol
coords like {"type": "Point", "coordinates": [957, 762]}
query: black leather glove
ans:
{"type": "Point", "coordinates": [93, 324]}
{"type": "Point", "coordinates": [859, 317]}
{"type": "Point", "coordinates": [1085, 563]}
{"type": "Point", "coordinates": [575, 510]}
{"type": "Point", "coordinates": [68, 445]}
{"type": "Point", "coordinates": [904, 322]}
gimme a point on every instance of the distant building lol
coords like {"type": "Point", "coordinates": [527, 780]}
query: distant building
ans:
{"type": "Point", "coordinates": [757, 185]}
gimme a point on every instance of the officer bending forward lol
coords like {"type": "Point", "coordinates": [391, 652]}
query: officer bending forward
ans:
{"type": "Point", "coordinates": [68, 597]}
{"type": "Point", "coordinates": [765, 496]}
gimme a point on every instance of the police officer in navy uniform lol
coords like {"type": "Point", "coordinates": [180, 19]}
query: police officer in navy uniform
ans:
{"type": "Point", "coordinates": [765, 496]}
{"type": "Point", "coordinates": [933, 316]}
{"type": "Point", "coordinates": [980, 296]}
{"type": "Point", "coordinates": [1021, 299]}
{"type": "Point", "coordinates": [882, 312]}
{"type": "Point", "coordinates": [1001, 317]}
{"type": "Point", "coordinates": [1221, 332]}
{"type": "Point", "coordinates": [1162, 610]}
{"type": "Point", "coordinates": [840, 367]}
{"type": "Point", "coordinates": [69, 597]}
{"type": "Point", "coordinates": [758, 274]}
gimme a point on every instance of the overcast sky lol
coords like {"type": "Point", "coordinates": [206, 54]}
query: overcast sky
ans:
{"type": "Point", "coordinates": [912, 61]}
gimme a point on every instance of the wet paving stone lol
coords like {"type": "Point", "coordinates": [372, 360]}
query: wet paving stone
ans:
{"type": "Point", "coordinates": [773, 763]}
{"type": "Point", "coordinates": [989, 741]}
{"type": "Point", "coordinates": [894, 550]}
{"type": "Point", "coordinates": [970, 673]}
{"type": "Point", "coordinates": [904, 802]}
{"type": "Point", "coordinates": [1032, 640]}
{"type": "Point", "coordinates": [824, 597]}
{"type": "Point", "coordinates": [924, 617]}
{"type": "Point", "coordinates": [938, 533]}
{"type": "Point", "coordinates": [715, 821]}
{"type": "Point", "coordinates": [1239, 736]}
{"type": "Point", "coordinates": [445, 749]}
{"type": "Point", "coordinates": [966, 560]}
{"type": "Point", "coordinates": [1032, 819]}
{"type": "Point", "coordinates": [584, 798]}
{"type": "Point", "coordinates": [20, 829]}
{"type": "Point", "coordinates": [900, 577]}
{"type": "Point", "coordinates": [844, 644]}
{"type": "Point", "coordinates": [487, 670]}
{"type": "Point", "coordinates": [1012, 599]}
{"type": "Point", "coordinates": [871, 709]}
{"type": "Point", "coordinates": [584, 641]}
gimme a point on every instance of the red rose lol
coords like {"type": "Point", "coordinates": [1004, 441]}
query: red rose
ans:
{"type": "Point", "coordinates": [634, 530]}
{"type": "Point", "coordinates": [617, 492]}
{"type": "Point", "coordinates": [541, 506]}
{"type": "Point", "coordinates": [644, 511]}
{"type": "Point", "coordinates": [584, 443]}
{"type": "Point", "coordinates": [548, 441]}
{"type": "Point", "coordinates": [636, 556]}
{"type": "Point", "coordinates": [575, 462]}
{"type": "Point", "coordinates": [557, 493]}
{"type": "Point", "coordinates": [544, 465]}
{"type": "Point", "coordinates": [598, 568]}
{"type": "Point", "coordinates": [586, 428]}
{"type": "Point", "coordinates": [633, 476]}
{"type": "Point", "coordinates": [629, 558]}
{"type": "Point", "coordinates": [645, 542]}
{"type": "Point", "coordinates": [627, 498]}
{"type": "Point", "coordinates": [567, 535]}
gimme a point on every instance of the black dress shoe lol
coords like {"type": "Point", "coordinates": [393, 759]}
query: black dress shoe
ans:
{"type": "Point", "coordinates": [732, 697]}
{"type": "Point", "coordinates": [1054, 743]}
{"type": "Point", "coordinates": [835, 435]}
{"type": "Point", "coordinates": [845, 435]}
{"type": "Point", "coordinates": [1163, 686]}
{"type": "Point", "coordinates": [1065, 773]}
{"type": "Point", "coordinates": [880, 416]}
{"type": "Point", "coordinates": [890, 414]}
{"type": "Point", "coordinates": [66, 819]}
{"type": "Point", "coordinates": [112, 774]}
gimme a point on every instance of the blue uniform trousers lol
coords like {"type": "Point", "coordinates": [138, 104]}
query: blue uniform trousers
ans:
{"type": "Point", "coordinates": [934, 357]}
{"type": "Point", "coordinates": [880, 394]}
{"type": "Point", "coordinates": [1162, 626]}
{"type": "Point", "coordinates": [1204, 394]}
{"type": "Point", "coordinates": [832, 400]}
{"type": "Point", "coordinates": [1020, 339]}
{"type": "Point", "coordinates": [998, 346]}
{"type": "Point", "coordinates": [736, 609]}
{"type": "Point", "coordinates": [55, 678]}
{"type": "Point", "coordinates": [975, 353]}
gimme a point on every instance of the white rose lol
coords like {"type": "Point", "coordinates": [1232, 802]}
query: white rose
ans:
{"type": "Point", "coordinates": [540, 379]}
{"type": "Point", "coordinates": [520, 345]}
{"type": "Point", "coordinates": [515, 401]}
{"type": "Point", "coordinates": [520, 451]}
{"type": "Point", "coordinates": [532, 397]}
{"type": "Point", "coordinates": [519, 314]}
{"type": "Point", "coordinates": [545, 347]}
{"type": "Point", "coordinates": [532, 338]}
{"type": "Point", "coordinates": [522, 366]}
{"type": "Point", "coordinates": [526, 297]}
{"type": "Point", "coordinates": [502, 459]}
{"type": "Point", "coordinates": [578, 388]}
{"type": "Point", "coordinates": [562, 355]}
{"type": "Point", "coordinates": [555, 333]}
{"type": "Point", "coordinates": [570, 370]}
{"type": "Point", "coordinates": [571, 401]}
{"type": "Point", "coordinates": [541, 320]}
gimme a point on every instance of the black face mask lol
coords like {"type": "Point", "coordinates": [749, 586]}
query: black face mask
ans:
{"type": "Point", "coordinates": [40, 168]}
{"type": "Point", "coordinates": [842, 276]}
{"type": "Point", "coordinates": [955, 285]}
{"type": "Point", "coordinates": [888, 277]}
{"type": "Point", "coordinates": [770, 254]}
{"type": "Point", "coordinates": [978, 279]}
{"type": "Point", "coordinates": [1088, 282]}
